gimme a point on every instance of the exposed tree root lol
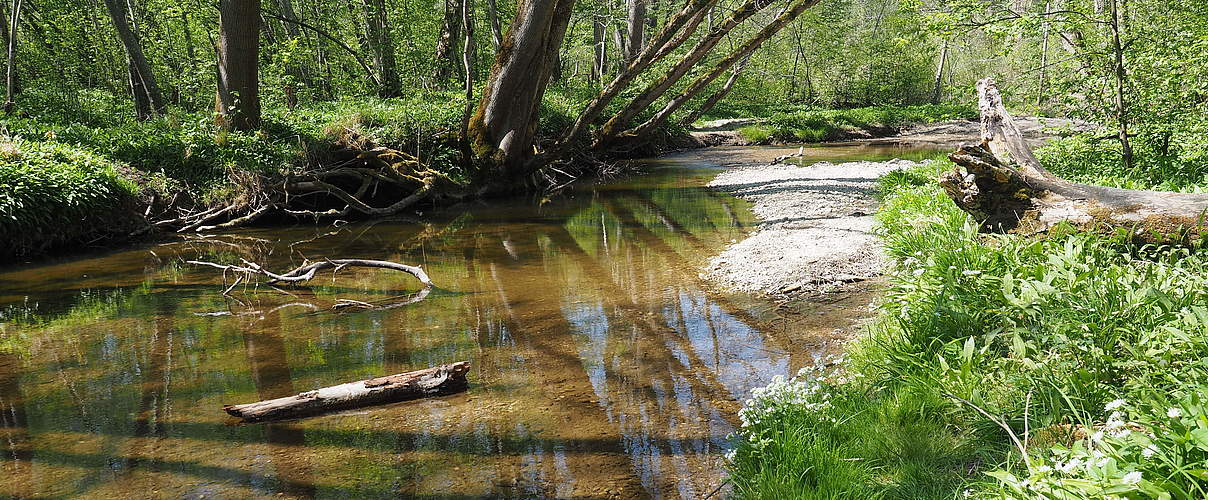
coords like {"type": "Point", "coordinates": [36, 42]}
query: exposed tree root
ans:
{"type": "Point", "coordinates": [354, 183]}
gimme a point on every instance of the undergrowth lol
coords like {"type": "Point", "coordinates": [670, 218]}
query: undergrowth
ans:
{"type": "Point", "coordinates": [835, 124]}
{"type": "Point", "coordinates": [1071, 367]}
{"type": "Point", "coordinates": [51, 194]}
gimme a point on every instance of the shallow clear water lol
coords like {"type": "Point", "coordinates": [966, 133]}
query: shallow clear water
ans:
{"type": "Point", "coordinates": [602, 366]}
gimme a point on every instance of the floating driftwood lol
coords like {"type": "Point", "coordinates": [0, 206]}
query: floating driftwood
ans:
{"type": "Point", "coordinates": [435, 381]}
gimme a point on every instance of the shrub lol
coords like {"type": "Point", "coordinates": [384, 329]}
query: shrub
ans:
{"type": "Point", "coordinates": [52, 194]}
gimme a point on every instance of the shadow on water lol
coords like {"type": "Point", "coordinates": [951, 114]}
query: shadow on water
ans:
{"type": "Point", "coordinates": [603, 367]}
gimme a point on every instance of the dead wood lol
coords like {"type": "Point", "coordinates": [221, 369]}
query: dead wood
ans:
{"type": "Point", "coordinates": [435, 381]}
{"type": "Point", "coordinates": [1002, 185]}
{"type": "Point", "coordinates": [307, 271]}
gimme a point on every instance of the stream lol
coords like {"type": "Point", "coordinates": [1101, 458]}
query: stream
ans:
{"type": "Point", "coordinates": [602, 365]}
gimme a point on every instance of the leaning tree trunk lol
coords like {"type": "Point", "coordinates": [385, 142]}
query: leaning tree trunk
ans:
{"type": "Point", "coordinates": [1005, 187]}
{"type": "Point", "coordinates": [147, 98]}
{"type": "Point", "coordinates": [238, 64]}
{"type": "Point", "coordinates": [504, 126]}
{"type": "Point", "coordinates": [786, 16]}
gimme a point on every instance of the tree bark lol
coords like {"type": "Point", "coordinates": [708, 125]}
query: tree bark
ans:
{"type": "Point", "coordinates": [702, 48]}
{"type": "Point", "coordinates": [637, 29]}
{"type": "Point", "coordinates": [147, 98]}
{"type": "Point", "coordinates": [10, 77]}
{"type": "Point", "coordinates": [493, 18]}
{"type": "Point", "coordinates": [788, 15]}
{"type": "Point", "coordinates": [450, 35]}
{"type": "Point", "coordinates": [504, 126]}
{"type": "Point", "coordinates": [937, 90]}
{"type": "Point", "coordinates": [599, 60]}
{"type": "Point", "coordinates": [382, 43]}
{"type": "Point", "coordinates": [675, 32]}
{"type": "Point", "coordinates": [721, 93]}
{"type": "Point", "coordinates": [1120, 75]}
{"type": "Point", "coordinates": [1005, 187]}
{"type": "Point", "coordinates": [439, 380]}
{"type": "Point", "coordinates": [239, 64]}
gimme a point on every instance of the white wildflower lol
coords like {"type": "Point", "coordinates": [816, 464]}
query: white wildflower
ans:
{"type": "Point", "coordinates": [1174, 413]}
{"type": "Point", "coordinates": [1149, 451]}
{"type": "Point", "coordinates": [1043, 469]}
{"type": "Point", "coordinates": [1097, 436]}
{"type": "Point", "coordinates": [919, 271]}
{"type": "Point", "coordinates": [971, 272]}
{"type": "Point", "coordinates": [1112, 405]}
{"type": "Point", "coordinates": [1132, 477]}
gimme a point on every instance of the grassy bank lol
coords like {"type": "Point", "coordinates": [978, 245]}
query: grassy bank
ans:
{"type": "Point", "coordinates": [66, 160]}
{"type": "Point", "coordinates": [998, 367]}
{"type": "Point", "coordinates": [837, 124]}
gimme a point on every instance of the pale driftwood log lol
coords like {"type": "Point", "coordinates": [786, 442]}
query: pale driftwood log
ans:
{"type": "Point", "coordinates": [307, 271]}
{"type": "Point", "coordinates": [1005, 187]}
{"type": "Point", "coordinates": [435, 381]}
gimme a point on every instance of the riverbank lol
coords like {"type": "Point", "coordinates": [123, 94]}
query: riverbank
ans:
{"type": "Point", "coordinates": [996, 367]}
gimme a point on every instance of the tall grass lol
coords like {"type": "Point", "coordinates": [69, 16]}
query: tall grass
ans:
{"type": "Point", "coordinates": [1091, 353]}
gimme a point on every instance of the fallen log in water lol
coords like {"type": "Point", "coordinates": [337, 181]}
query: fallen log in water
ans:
{"type": "Point", "coordinates": [435, 381]}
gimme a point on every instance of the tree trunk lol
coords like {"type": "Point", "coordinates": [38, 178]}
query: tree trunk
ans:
{"type": "Point", "coordinates": [450, 35]}
{"type": "Point", "coordinates": [503, 128]}
{"type": "Point", "coordinates": [599, 60]}
{"type": "Point", "coordinates": [937, 90]}
{"type": "Point", "coordinates": [637, 29]}
{"type": "Point", "coordinates": [1004, 187]}
{"type": "Point", "coordinates": [439, 380]}
{"type": "Point", "coordinates": [786, 16]}
{"type": "Point", "coordinates": [493, 18]}
{"type": "Point", "coordinates": [1120, 76]}
{"type": "Point", "coordinates": [147, 98]}
{"type": "Point", "coordinates": [702, 49]}
{"type": "Point", "coordinates": [675, 32]}
{"type": "Point", "coordinates": [10, 77]}
{"type": "Point", "coordinates": [239, 64]}
{"type": "Point", "coordinates": [700, 111]}
{"type": "Point", "coordinates": [382, 44]}
{"type": "Point", "coordinates": [1044, 57]}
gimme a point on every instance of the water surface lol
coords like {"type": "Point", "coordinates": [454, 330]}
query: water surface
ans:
{"type": "Point", "coordinates": [602, 366]}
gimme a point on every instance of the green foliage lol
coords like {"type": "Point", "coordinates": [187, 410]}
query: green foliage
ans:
{"type": "Point", "coordinates": [1086, 159]}
{"type": "Point", "coordinates": [1046, 334]}
{"type": "Point", "coordinates": [834, 124]}
{"type": "Point", "coordinates": [53, 194]}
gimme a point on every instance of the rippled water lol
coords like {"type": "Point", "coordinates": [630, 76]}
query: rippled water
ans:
{"type": "Point", "coordinates": [602, 366]}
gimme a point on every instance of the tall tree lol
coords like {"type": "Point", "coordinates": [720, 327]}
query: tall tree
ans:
{"type": "Point", "coordinates": [504, 126]}
{"type": "Point", "coordinates": [148, 102]}
{"type": "Point", "coordinates": [381, 42]}
{"type": "Point", "coordinates": [446, 45]}
{"type": "Point", "coordinates": [637, 29]}
{"type": "Point", "coordinates": [239, 64]}
{"type": "Point", "coordinates": [10, 76]}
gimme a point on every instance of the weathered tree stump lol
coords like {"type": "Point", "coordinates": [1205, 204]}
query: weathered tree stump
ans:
{"type": "Point", "coordinates": [435, 381]}
{"type": "Point", "coordinates": [1005, 187]}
